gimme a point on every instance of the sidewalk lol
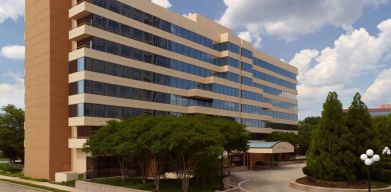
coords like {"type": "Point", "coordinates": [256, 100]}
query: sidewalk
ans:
{"type": "Point", "coordinates": [45, 184]}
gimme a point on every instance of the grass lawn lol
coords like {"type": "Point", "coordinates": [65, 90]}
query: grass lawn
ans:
{"type": "Point", "coordinates": [351, 185]}
{"type": "Point", "coordinates": [68, 183]}
{"type": "Point", "coordinates": [7, 169]}
{"type": "Point", "coordinates": [33, 186]}
{"type": "Point", "coordinates": [165, 185]}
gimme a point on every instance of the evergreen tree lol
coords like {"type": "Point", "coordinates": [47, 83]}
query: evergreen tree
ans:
{"type": "Point", "coordinates": [329, 157]}
{"type": "Point", "coordinates": [359, 124]}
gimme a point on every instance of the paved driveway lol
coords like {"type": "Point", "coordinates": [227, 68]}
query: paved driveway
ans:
{"type": "Point", "coordinates": [273, 180]}
{"type": "Point", "coordinates": [6, 187]}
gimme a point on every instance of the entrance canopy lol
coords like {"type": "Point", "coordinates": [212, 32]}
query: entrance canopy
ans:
{"type": "Point", "coordinates": [270, 147]}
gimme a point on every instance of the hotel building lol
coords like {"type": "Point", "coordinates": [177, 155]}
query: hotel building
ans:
{"type": "Point", "coordinates": [382, 110]}
{"type": "Point", "coordinates": [90, 61]}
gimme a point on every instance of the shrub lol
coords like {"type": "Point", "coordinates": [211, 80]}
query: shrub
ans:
{"type": "Point", "coordinates": [383, 175]}
{"type": "Point", "coordinates": [307, 172]}
{"type": "Point", "coordinates": [11, 168]}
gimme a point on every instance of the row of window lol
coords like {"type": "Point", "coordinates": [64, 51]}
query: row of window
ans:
{"type": "Point", "coordinates": [278, 92]}
{"type": "Point", "coordinates": [106, 111]}
{"type": "Point", "coordinates": [227, 46]}
{"type": "Point", "coordinates": [104, 67]}
{"type": "Point", "coordinates": [255, 110]}
{"type": "Point", "coordinates": [253, 123]}
{"type": "Point", "coordinates": [106, 89]}
{"type": "Point", "coordinates": [285, 105]}
{"type": "Point", "coordinates": [145, 37]}
{"type": "Point", "coordinates": [247, 53]}
{"type": "Point", "coordinates": [229, 76]}
{"type": "Point", "coordinates": [247, 67]}
{"type": "Point", "coordinates": [151, 20]}
{"type": "Point", "coordinates": [285, 116]}
{"type": "Point", "coordinates": [227, 61]}
{"type": "Point", "coordinates": [274, 80]}
{"type": "Point", "coordinates": [270, 67]}
{"type": "Point", "coordinates": [132, 53]}
{"type": "Point", "coordinates": [252, 96]}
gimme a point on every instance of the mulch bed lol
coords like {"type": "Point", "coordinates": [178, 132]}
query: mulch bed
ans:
{"type": "Point", "coordinates": [350, 185]}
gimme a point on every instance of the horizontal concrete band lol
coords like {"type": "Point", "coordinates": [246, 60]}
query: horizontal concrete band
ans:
{"type": "Point", "coordinates": [299, 186]}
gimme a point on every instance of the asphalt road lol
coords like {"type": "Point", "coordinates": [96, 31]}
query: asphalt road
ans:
{"type": "Point", "coordinates": [6, 187]}
{"type": "Point", "coordinates": [272, 180]}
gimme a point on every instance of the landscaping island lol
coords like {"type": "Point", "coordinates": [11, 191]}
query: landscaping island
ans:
{"type": "Point", "coordinates": [309, 184]}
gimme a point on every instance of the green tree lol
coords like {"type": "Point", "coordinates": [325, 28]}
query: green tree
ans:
{"type": "Point", "coordinates": [108, 141]}
{"type": "Point", "coordinates": [12, 133]}
{"type": "Point", "coordinates": [329, 157]}
{"type": "Point", "coordinates": [305, 131]}
{"type": "Point", "coordinates": [283, 136]}
{"type": "Point", "coordinates": [381, 128]}
{"type": "Point", "coordinates": [358, 122]}
{"type": "Point", "coordinates": [193, 139]}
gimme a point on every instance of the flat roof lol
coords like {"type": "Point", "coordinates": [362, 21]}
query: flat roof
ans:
{"type": "Point", "coordinates": [262, 144]}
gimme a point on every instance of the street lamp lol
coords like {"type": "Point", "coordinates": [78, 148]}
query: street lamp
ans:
{"type": "Point", "coordinates": [386, 152]}
{"type": "Point", "coordinates": [222, 157]}
{"type": "Point", "coordinates": [369, 158]}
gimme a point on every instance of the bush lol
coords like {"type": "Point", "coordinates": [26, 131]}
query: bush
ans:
{"type": "Point", "coordinates": [10, 168]}
{"type": "Point", "coordinates": [306, 171]}
{"type": "Point", "coordinates": [383, 175]}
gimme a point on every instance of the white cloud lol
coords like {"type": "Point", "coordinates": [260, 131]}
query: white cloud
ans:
{"type": "Point", "coordinates": [290, 19]}
{"type": "Point", "coordinates": [332, 69]}
{"type": "Point", "coordinates": [163, 3]}
{"type": "Point", "coordinates": [12, 93]}
{"type": "Point", "coordinates": [13, 52]}
{"type": "Point", "coordinates": [379, 92]}
{"type": "Point", "coordinates": [11, 9]}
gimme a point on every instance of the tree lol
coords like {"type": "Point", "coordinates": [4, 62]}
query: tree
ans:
{"type": "Point", "coordinates": [283, 136]}
{"type": "Point", "coordinates": [108, 141]}
{"type": "Point", "coordinates": [381, 128]}
{"type": "Point", "coordinates": [359, 124]}
{"type": "Point", "coordinates": [193, 139]}
{"type": "Point", "coordinates": [329, 157]}
{"type": "Point", "coordinates": [305, 131]}
{"type": "Point", "coordinates": [12, 133]}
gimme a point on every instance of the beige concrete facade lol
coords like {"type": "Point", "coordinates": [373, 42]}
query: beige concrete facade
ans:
{"type": "Point", "coordinates": [46, 83]}
{"type": "Point", "coordinates": [52, 33]}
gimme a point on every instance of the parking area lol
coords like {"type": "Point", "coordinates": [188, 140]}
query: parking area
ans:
{"type": "Point", "coordinates": [271, 180]}
{"type": "Point", "coordinates": [7, 187]}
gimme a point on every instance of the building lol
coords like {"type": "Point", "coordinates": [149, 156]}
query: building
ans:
{"type": "Point", "coordinates": [89, 61]}
{"type": "Point", "coordinates": [382, 110]}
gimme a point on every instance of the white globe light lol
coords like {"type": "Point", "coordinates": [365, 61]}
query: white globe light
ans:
{"type": "Point", "coordinates": [387, 148]}
{"type": "Point", "coordinates": [388, 152]}
{"type": "Point", "coordinates": [370, 152]}
{"type": "Point", "coordinates": [225, 154]}
{"type": "Point", "coordinates": [368, 161]}
{"type": "Point", "coordinates": [376, 157]}
{"type": "Point", "coordinates": [363, 157]}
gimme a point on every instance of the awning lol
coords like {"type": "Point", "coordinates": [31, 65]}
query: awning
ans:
{"type": "Point", "coordinates": [270, 147]}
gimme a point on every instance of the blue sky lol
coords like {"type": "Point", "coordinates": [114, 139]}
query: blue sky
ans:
{"type": "Point", "coordinates": [338, 45]}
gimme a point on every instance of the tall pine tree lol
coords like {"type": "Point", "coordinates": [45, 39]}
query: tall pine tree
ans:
{"type": "Point", "coordinates": [359, 124]}
{"type": "Point", "coordinates": [329, 157]}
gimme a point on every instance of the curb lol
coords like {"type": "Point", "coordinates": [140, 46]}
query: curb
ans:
{"type": "Point", "coordinates": [240, 185]}
{"type": "Point", "coordinates": [302, 187]}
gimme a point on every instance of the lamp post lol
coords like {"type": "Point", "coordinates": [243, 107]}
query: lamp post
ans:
{"type": "Point", "coordinates": [222, 157]}
{"type": "Point", "coordinates": [386, 152]}
{"type": "Point", "coordinates": [369, 158]}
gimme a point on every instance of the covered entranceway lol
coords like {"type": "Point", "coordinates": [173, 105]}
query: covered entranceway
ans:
{"type": "Point", "coordinates": [263, 154]}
